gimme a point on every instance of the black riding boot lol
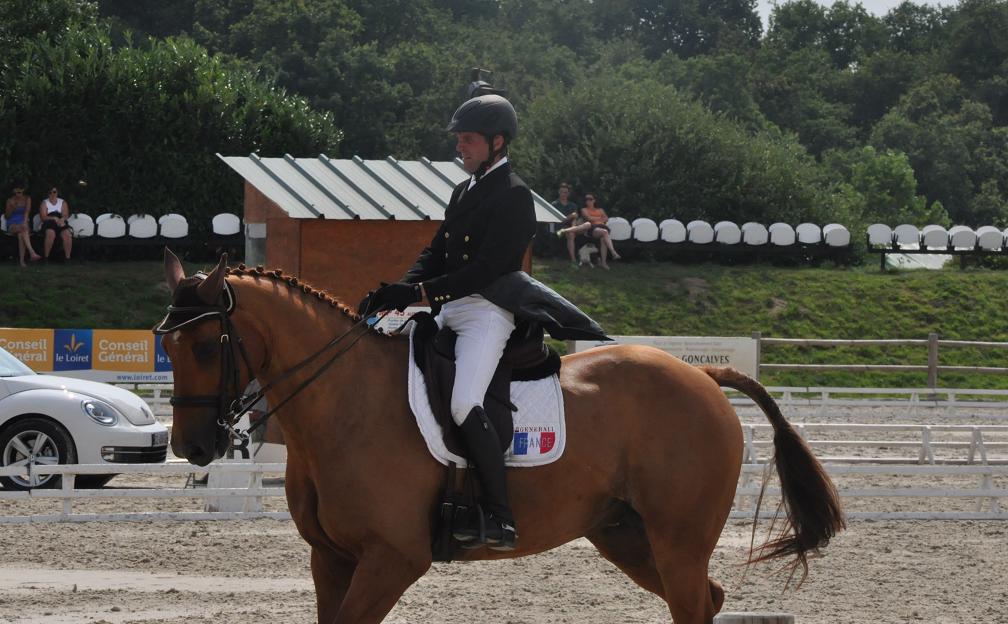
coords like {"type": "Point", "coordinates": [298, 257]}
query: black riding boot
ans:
{"type": "Point", "coordinates": [491, 522]}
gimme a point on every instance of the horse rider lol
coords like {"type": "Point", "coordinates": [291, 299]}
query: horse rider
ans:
{"type": "Point", "coordinates": [487, 228]}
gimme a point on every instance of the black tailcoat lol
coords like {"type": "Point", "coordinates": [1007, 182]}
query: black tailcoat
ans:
{"type": "Point", "coordinates": [484, 235]}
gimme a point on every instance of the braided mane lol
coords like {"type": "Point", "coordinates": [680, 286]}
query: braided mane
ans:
{"type": "Point", "coordinates": [294, 283]}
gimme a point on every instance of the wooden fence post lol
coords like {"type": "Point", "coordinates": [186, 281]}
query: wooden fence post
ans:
{"type": "Point", "coordinates": [932, 360]}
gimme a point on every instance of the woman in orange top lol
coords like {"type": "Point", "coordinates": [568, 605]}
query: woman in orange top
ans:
{"type": "Point", "coordinates": [593, 223]}
{"type": "Point", "coordinates": [596, 219]}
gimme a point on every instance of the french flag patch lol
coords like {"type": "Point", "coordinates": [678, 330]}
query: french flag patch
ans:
{"type": "Point", "coordinates": [533, 442]}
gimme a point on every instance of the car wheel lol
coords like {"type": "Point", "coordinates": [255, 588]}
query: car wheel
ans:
{"type": "Point", "coordinates": [34, 442]}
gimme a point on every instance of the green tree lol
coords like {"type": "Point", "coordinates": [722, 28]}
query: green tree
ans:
{"type": "Point", "coordinates": [880, 187]}
{"type": "Point", "coordinates": [647, 150]}
{"type": "Point", "coordinates": [950, 141]}
{"type": "Point", "coordinates": [139, 127]}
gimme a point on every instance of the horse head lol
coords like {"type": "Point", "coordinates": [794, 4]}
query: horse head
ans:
{"type": "Point", "coordinates": [210, 361]}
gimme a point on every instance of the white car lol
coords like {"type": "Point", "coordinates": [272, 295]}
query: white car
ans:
{"type": "Point", "coordinates": [47, 420]}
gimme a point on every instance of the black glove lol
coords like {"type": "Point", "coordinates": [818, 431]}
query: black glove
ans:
{"type": "Point", "coordinates": [388, 296]}
{"type": "Point", "coordinates": [367, 304]}
{"type": "Point", "coordinates": [398, 296]}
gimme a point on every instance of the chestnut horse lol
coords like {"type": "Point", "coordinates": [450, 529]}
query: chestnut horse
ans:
{"type": "Point", "coordinates": [649, 473]}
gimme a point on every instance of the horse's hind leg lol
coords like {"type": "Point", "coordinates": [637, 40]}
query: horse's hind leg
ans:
{"type": "Point", "coordinates": [681, 561]}
{"type": "Point", "coordinates": [625, 544]}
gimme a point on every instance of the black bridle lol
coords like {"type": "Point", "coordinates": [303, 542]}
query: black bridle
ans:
{"type": "Point", "coordinates": [230, 401]}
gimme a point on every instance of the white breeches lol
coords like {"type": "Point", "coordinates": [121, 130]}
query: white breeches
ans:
{"type": "Point", "coordinates": [483, 329]}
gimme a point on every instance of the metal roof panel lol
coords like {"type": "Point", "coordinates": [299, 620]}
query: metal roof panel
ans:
{"type": "Point", "coordinates": [356, 188]}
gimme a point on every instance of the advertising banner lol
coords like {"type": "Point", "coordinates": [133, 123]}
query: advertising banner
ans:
{"type": "Point", "coordinates": [110, 355]}
{"type": "Point", "coordinates": [738, 353]}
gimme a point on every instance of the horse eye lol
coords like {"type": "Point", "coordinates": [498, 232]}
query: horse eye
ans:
{"type": "Point", "coordinates": [205, 350]}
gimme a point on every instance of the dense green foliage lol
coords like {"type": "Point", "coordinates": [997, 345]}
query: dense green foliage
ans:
{"type": "Point", "coordinates": [682, 108]}
{"type": "Point", "coordinates": [646, 298]}
{"type": "Point", "coordinates": [137, 128]}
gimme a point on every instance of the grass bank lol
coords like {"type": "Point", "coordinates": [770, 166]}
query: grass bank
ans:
{"type": "Point", "coordinates": [643, 298]}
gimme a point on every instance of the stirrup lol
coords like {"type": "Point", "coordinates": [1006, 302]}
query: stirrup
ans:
{"type": "Point", "coordinates": [502, 535]}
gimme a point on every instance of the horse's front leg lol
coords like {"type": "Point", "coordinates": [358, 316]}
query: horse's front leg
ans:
{"type": "Point", "coordinates": [382, 575]}
{"type": "Point", "coordinates": [332, 576]}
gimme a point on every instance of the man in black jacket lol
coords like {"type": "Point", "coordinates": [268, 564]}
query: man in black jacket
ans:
{"type": "Point", "coordinates": [487, 228]}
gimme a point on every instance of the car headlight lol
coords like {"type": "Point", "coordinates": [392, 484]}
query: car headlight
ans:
{"type": "Point", "coordinates": [101, 413]}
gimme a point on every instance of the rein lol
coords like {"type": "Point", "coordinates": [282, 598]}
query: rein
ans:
{"type": "Point", "coordinates": [230, 401]}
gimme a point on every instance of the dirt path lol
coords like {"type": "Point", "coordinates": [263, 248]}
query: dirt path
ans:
{"type": "Point", "coordinates": [257, 571]}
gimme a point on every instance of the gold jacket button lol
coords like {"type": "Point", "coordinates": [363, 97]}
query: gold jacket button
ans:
{"type": "Point", "coordinates": [446, 256]}
{"type": "Point", "coordinates": [446, 234]}
{"type": "Point", "coordinates": [465, 256]}
{"type": "Point", "coordinates": [467, 238]}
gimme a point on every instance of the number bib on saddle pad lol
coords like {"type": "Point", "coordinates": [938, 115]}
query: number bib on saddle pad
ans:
{"type": "Point", "coordinates": [539, 432]}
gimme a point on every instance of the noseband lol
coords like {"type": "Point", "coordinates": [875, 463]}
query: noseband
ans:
{"type": "Point", "coordinates": [230, 401]}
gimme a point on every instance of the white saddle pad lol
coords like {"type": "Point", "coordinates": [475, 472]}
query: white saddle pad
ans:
{"type": "Point", "coordinates": [539, 432]}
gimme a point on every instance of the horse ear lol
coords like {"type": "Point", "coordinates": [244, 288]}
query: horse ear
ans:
{"type": "Point", "coordinates": [174, 273]}
{"type": "Point", "coordinates": [209, 290]}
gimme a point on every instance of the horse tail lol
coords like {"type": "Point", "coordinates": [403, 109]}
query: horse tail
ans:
{"type": "Point", "coordinates": [808, 497]}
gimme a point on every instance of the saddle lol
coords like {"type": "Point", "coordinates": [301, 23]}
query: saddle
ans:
{"type": "Point", "coordinates": [526, 357]}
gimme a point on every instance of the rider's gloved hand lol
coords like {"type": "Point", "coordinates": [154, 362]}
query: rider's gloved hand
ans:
{"type": "Point", "coordinates": [368, 305]}
{"type": "Point", "coordinates": [398, 295]}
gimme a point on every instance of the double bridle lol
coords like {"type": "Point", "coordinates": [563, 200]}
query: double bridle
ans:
{"type": "Point", "coordinates": [230, 401]}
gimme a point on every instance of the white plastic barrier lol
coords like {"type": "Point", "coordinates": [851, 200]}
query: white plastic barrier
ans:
{"type": "Point", "coordinates": [934, 237]}
{"type": "Point", "coordinates": [962, 237]}
{"type": "Point", "coordinates": [81, 224]}
{"type": "Point", "coordinates": [989, 238]}
{"type": "Point", "coordinates": [142, 226]}
{"type": "Point", "coordinates": [755, 233]}
{"type": "Point", "coordinates": [174, 226]}
{"type": "Point", "coordinates": [907, 236]}
{"type": "Point", "coordinates": [880, 234]}
{"type": "Point", "coordinates": [619, 229]}
{"type": "Point", "coordinates": [836, 235]}
{"type": "Point", "coordinates": [226, 224]}
{"type": "Point", "coordinates": [644, 230]}
{"type": "Point", "coordinates": [727, 233]}
{"type": "Point", "coordinates": [672, 231]}
{"type": "Point", "coordinates": [700, 232]}
{"type": "Point", "coordinates": [782, 234]}
{"type": "Point", "coordinates": [808, 233]}
{"type": "Point", "coordinates": [111, 227]}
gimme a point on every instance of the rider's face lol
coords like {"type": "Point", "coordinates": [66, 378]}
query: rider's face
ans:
{"type": "Point", "coordinates": [473, 149]}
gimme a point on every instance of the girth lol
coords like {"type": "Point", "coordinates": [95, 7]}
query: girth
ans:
{"type": "Point", "coordinates": [526, 357]}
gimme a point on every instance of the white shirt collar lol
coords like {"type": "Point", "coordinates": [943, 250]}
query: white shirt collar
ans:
{"type": "Point", "coordinates": [499, 163]}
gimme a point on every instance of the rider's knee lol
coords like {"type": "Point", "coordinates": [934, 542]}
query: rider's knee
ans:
{"type": "Point", "coordinates": [461, 407]}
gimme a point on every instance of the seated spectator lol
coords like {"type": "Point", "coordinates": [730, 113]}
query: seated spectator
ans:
{"type": "Point", "coordinates": [18, 215]}
{"type": "Point", "coordinates": [594, 225]}
{"type": "Point", "coordinates": [569, 208]}
{"type": "Point", "coordinates": [54, 212]}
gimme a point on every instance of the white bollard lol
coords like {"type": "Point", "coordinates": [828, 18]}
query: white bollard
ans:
{"type": "Point", "coordinates": [754, 618]}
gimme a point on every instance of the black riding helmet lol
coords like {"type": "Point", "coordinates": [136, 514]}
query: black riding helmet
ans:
{"type": "Point", "coordinates": [488, 115]}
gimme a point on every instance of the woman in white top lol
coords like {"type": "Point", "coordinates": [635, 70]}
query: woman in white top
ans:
{"type": "Point", "coordinates": [54, 212]}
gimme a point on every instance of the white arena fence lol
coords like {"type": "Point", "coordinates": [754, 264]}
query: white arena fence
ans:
{"type": "Point", "coordinates": [952, 471]}
{"type": "Point", "coordinates": [986, 494]}
{"type": "Point", "coordinates": [914, 399]}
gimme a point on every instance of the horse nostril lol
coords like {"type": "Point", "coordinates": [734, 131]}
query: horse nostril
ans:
{"type": "Point", "coordinates": [199, 456]}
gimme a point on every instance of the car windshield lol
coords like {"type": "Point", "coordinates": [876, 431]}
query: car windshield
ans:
{"type": "Point", "coordinates": [10, 366]}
